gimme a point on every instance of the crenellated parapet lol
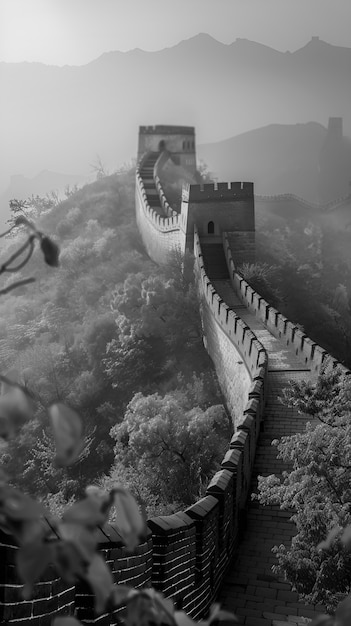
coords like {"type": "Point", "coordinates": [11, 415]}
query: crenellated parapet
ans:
{"type": "Point", "coordinates": [178, 141]}
{"type": "Point", "coordinates": [218, 208]}
{"type": "Point", "coordinates": [314, 206]}
{"type": "Point", "coordinates": [158, 225]}
{"type": "Point", "coordinates": [216, 192]}
{"type": "Point", "coordinates": [313, 355]}
{"type": "Point", "coordinates": [186, 554]}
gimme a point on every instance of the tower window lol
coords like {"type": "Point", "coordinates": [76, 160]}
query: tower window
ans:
{"type": "Point", "coordinates": [210, 228]}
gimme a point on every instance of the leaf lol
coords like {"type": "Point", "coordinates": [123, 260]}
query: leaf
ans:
{"type": "Point", "coordinates": [141, 610]}
{"type": "Point", "coordinates": [68, 430]}
{"type": "Point", "coordinates": [119, 595]}
{"type": "Point", "coordinates": [27, 531]}
{"type": "Point", "coordinates": [323, 620]}
{"type": "Point", "coordinates": [84, 540]}
{"type": "Point", "coordinates": [88, 512]}
{"type": "Point", "coordinates": [13, 376]}
{"type": "Point", "coordinates": [166, 604]}
{"type": "Point", "coordinates": [32, 560]}
{"type": "Point", "coordinates": [50, 251]}
{"type": "Point", "coordinates": [15, 409]}
{"type": "Point", "coordinates": [128, 519]}
{"type": "Point", "coordinates": [223, 617]}
{"type": "Point", "coordinates": [218, 616]}
{"type": "Point", "coordinates": [66, 621]}
{"type": "Point", "coordinates": [93, 491]}
{"type": "Point", "coordinates": [100, 579]}
{"type": "Point", "coordinates": [6, 431]}
{"type": "Point", "coordinates": [16, 505]}
{"type": "Point", "coordinates": [69, 562]}
{"type": "Point", "coordinates": [182, 619]}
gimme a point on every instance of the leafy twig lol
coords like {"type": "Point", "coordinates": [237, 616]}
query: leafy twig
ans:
{"type": "Point", "coordinates": [19, 283]}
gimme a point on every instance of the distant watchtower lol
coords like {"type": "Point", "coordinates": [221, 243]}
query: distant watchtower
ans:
{"type": "Point", "coordinates": [178, 140]}
{"type": "Point", "coordinates": [335, 128]}
{"type": "Point", "coordinates": [334, 164]}
{"type": "Point", "coordinates": [220, 208]}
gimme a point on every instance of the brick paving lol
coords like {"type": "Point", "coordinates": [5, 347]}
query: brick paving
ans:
{"type": "Point", "coordinates": [250, 589]}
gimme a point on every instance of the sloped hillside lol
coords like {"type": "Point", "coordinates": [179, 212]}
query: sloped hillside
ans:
{"type": "Point", "coordinates": [92, 333]}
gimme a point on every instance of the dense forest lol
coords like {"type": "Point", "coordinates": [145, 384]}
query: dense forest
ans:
{"type": "Point", "coordinates": [119, 340]}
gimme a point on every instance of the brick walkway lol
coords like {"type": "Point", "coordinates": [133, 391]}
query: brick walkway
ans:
{"type": "Point", "coordinates": [251, 590]}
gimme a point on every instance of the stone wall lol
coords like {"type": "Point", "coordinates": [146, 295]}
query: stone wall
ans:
{"type": "Point", "coordinates": [299, 343]}
{"type": "Point", "coordinates": [185, 554]}
{"type": "Point", "coordinates": [160, 234]}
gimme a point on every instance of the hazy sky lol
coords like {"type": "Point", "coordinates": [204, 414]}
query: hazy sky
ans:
{"type": "Point", "coordinates": [76, 31]}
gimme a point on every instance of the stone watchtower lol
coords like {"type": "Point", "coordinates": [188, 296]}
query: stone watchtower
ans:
{"type": "Point", "coordinates": [179, 141]}
{"type": "Point", "coordinates": [217, 209]}
{"type": "Point", "coordinates": [334, 164]}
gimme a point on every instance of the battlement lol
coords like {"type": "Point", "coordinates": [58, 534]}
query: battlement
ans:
{"type": "Point", "coordinates": [218, 191]}
{"type": "Point", "coordinates": [166, 130]}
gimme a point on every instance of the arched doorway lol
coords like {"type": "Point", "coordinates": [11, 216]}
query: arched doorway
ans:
{"type": "Point", "coordinates": [210, 228]}
{"type": "Point", "coordinates": [161, 145]}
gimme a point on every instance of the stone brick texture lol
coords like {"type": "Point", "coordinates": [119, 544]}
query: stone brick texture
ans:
{"type": "Point", "coordinates": [220, 547]}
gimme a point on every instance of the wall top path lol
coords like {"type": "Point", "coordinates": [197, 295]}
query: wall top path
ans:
{"type": "Point", "coordinates": [165, 129]}
{"type": "Point", "coordinates": [251, 589]}
{"type": "Point", "coordinates": [328, 206]}
{"type": "Point", "coordinates": [280, 356]}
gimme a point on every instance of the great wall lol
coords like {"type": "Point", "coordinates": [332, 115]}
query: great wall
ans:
{"type": "Point", "coordinates": [220, 547]}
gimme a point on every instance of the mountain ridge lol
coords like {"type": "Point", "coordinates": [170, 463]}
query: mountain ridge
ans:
{"type": "Point", "coordinates": [200, 37]}
{"type": "Point", "coordinates": [59, 118]}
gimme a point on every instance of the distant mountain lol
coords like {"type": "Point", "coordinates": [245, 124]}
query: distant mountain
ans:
{"type": "Point", "coordinates": [21, 188]}
{"type": "Point", "coordinates": [278, 158]}
{"type": "Point", "coordinates": [59, 118]}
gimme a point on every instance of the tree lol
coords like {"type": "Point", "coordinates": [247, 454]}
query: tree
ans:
{"type": "Point", "coordinates": [146, 306]}
{"type": "Point", "coordinates": [263, 278]}
{"type": "Point", "coordinates": [316, 488]}
{"type": "Point", "coordinates": [99, 168]}
{"type": "Point", "coordinates": [177, 446]}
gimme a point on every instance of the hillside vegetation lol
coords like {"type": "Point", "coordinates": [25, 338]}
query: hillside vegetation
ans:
{"type": "Point", "coordinates": [111, 335]}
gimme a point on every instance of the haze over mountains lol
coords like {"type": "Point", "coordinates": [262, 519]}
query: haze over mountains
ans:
{"type": "Point", "coordinates": [278, 158]}
{"type": "Point", "coordinates": [60, 118]}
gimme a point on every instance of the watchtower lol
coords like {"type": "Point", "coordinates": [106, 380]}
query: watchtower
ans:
{"type": "Point", "coordinates": [220, 208]}
{"type": "Point", "coordinates": [177, 140]}
{"type": "Point", "coordinates": [334, 163]}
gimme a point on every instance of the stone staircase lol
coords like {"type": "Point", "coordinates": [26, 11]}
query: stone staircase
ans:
{"type": "Point", "coordinates": [147, 175]}
{"type": "Point", "coordinates": [215, 261]}
{"type": "Point", "coordinates": [250, 589]}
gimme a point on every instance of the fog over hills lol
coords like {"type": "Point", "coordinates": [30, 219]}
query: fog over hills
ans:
{"type": "Point", "coordinates": [278, 158]}
{"type": "Point", "coordinates": [59, 118]}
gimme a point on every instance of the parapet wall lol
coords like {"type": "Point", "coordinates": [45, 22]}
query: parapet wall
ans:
{"type": "Point", "coordinates": [327, 206]}
{"type": "Point", "coordinates": [193, 548]}
{"type": "Point", "coordinates": [165, 129]}
{"type": "Point", "coordinates": [300, 344]}
{"type": "Point", "coordinates": [186, 554]}
{"type": "Point", "coordinates": [160, 234]}
{"type": "Point", "coordinates": [179, 140]}
{"type": "Point", "coordinates": [53, 597]}
{"type": "Point", "coordinates": [213, 192]}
